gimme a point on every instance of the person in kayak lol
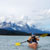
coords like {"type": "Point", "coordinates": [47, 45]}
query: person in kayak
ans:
{"type": "Point", "coordinates": [33, 41]}
{"type": "Point", "coordinates": [33, 38]}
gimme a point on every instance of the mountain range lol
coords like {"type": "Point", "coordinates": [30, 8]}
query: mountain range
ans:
{"type": "Point", "coordinates": [13, 28]}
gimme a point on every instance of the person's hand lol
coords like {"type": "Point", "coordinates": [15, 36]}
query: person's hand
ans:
{"type": "Point", "coordinates": [28, 41]}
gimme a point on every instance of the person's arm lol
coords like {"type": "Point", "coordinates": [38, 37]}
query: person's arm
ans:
{"type": "Point", "coordinates": [37, 39]}
{"type": "Point", "coordinates": [29, 39]}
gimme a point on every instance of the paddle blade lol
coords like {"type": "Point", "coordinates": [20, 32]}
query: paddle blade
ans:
{"type": "Point", "coordinates": [43, 35]}
{"type": "Point", "coordinates": [17, 44]}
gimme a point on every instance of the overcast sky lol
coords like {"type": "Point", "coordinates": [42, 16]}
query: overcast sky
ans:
{"type": "Point", "coordinates": [37, 12]}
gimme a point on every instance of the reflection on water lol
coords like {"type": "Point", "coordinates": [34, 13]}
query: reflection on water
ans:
{"type": "Point", "coordinates": [8, 43]}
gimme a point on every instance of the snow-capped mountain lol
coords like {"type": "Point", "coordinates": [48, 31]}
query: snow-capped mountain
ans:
{"type": "Point", "coordinates": [20, 27]}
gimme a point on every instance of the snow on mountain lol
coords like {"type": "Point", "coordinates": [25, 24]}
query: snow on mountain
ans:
{"type": "Point", "coordinates": [23, 23]}
{"type": "Point", "coordinates": [20, 27]}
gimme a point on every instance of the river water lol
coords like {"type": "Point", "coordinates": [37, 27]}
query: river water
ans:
{"type": "Point", "coordinates": [8, 43]}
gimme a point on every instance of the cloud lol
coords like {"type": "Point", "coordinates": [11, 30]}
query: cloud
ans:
{"type": "Point", "coordinates": [43, 22]}
{"type": "Point", "coordinates": [2, 19]}
{"type": "Point", "coordinates": [40, 19]}
{"type": "Point", "coordinates": [31, 12]}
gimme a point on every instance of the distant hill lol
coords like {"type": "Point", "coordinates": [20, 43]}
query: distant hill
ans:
{"type": "Point", "coordinates": [12, 32]}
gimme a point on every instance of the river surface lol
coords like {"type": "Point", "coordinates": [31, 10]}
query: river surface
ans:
{"type": "Point", "coordinates": [8, 43]}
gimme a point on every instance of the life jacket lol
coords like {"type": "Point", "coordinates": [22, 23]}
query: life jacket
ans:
{"type": "Point", "coordinates": [33, 39]}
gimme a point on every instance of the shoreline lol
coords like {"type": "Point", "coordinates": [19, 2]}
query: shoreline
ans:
{"type": "Point", "coordinates": [24, 35]}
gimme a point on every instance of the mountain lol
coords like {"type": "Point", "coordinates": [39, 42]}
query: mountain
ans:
{"type": "Point", "coordinates": [11, 32]}
{"type": "Point", "coordinates": [12, 28]}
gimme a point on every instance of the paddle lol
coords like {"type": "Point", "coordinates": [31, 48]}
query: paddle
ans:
{"type": "Point", "coordinates": [19, 43]}
{"type": "Point", "coordinates": [43, 35]}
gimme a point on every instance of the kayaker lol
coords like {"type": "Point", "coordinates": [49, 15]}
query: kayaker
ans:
{"type": "Point", "coordinates": [33, 41]}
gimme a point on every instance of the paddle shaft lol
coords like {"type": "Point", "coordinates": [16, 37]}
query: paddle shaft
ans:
{"type": "Point", "coordinates": [23, 42]}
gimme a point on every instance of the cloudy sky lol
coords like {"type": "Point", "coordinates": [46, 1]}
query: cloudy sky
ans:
{"type": "Point", "coordinates": [36, 12]}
